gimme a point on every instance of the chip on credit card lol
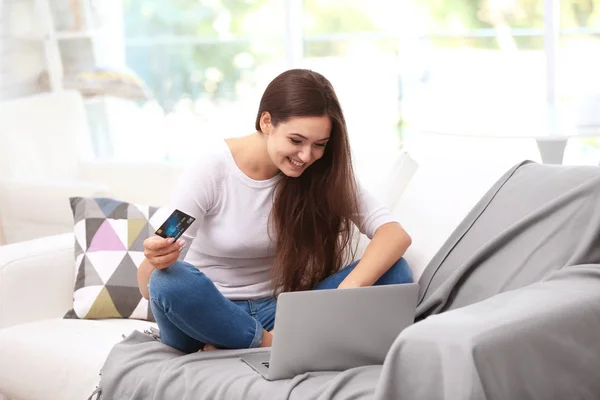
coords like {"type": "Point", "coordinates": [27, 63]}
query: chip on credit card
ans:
{"type": "Point", "coordinates": [175, 225]}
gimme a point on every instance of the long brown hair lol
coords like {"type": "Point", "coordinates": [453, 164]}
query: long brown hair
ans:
{"type": "Point", "coordinates": [312, 214]}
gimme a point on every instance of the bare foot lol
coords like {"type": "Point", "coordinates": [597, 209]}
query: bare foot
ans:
{"type": "Point", "coordinates": [267, 339]}
{"type": "Point", "coordinates": [208, 347]}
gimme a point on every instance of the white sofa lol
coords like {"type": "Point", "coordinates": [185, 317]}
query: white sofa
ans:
{"type": "Point", "coordinates": [43, 356]}
{"type": "Point", "coordinates": [34, 208]}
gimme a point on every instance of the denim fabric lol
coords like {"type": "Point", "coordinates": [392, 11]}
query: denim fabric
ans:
{"type": "Point", "coordinates": [399, 273]}
{"type": "Point", "coordinates": [190, 310]}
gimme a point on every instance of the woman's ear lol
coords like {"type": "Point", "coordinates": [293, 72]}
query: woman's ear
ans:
{"type": "Point", "coordinates": [265, 122]}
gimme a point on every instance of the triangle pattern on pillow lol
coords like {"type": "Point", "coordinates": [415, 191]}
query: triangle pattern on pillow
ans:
{"type": "Point", "coordinates": [84, 298]}
{"type": "Point", "coordinates": [108, 251]}
{"type": "Point", "coordinates": [138, 243]}
{"type": "Point", "coordinates": [121, 212]}
{"type": "Point", "coordinates": [91, 275]}
{"type": "Point", "coordinates": [133, 212]}
{"type": "Point", "coordinates": [125, 275]}
{"type": "Point", "coordinates": [125, 299]}
{"type": "Point", "coordinates": [106, 262]}
{"type": "Point", "coordinates": [80, 232]}
{"type": "Point", "coordinates": [123, 287]}
{"type": "Point", "coordinates": [87, 275]}
{"type": "Point", "coordinates": [103, 307]}
{"type": "Point", "coordinates": [120, 228]}
{"type": "Point", "coordinates": [78, 249]}
{"type": "Point", "coordinates": [134, 227]}
{"type": "Point", "coordinates": [92, 210]}
{"type": "Point", "coordinates": [106, 239]}
{"type": "Point", "coordinates": [138, 258]}
{"type": "Point", "coordinates": [91, 227]}
{"type": "Point", "coordinates": [107, 205]}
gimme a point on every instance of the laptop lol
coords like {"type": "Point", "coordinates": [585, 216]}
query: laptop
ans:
{"type": "Point", "coordinates": [335, 329]}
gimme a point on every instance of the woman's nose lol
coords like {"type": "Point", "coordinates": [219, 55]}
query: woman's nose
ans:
{"type": "Point", "coordinates": [305, 155]}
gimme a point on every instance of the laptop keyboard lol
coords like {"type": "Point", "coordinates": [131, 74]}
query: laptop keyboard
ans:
{"type": "Point", "coordinates": [265, 363]}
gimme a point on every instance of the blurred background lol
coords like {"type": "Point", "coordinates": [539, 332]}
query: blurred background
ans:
{"type": "Point", "coordinates": [193, 68]}
{"type": "Point", "coordinates": [468, 79]}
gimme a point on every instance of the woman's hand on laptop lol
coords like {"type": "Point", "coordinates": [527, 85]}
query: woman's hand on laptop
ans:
{"type": "Point", "coordinates": [348, 284]}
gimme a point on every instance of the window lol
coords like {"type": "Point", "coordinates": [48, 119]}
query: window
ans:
{"type": "Point", "coordinates": [483, 65]}
{"type": "Point", "coordinates": [577, 84]}
{"type": "Point", "coordinates": [204, 62]}
{"type": "Point", "coordinates": [354, 44]}
{"type": "Point", "coordinates": [579, 51]}
{"type": "Point", "coordinates": [459, 66]}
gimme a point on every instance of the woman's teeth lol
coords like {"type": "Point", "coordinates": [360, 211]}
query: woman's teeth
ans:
{"type": "Point", "coordinates": [296, 163]}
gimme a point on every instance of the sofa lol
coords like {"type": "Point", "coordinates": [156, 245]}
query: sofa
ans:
{"type": "Point", "coordinates": [44, 356]}
{"type": "Point", "coordinates": [509, 308]}
{"type": "Point", "coordinates": [35, 208]}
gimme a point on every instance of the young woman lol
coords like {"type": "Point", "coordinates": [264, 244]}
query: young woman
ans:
{"type": "Point", "coordinates": [274, 212]}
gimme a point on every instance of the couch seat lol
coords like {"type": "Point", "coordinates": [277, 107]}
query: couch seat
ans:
{"type": "Point", "coordinates": [58, 358]}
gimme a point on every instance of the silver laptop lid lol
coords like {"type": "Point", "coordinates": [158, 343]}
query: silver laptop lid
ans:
{"type": "Point", "coordinates": [337, 329]}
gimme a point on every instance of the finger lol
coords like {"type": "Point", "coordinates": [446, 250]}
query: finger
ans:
{"type": "Point", "coordinates": [165, 261]}
{"type": "Point", "coordinates": [163, 251]}
{"type": "Point", "coordinates": [169, 245]}
{"type": "Point", "coordinates": [172, 248]}
{"type": "Point", "coordinates": [176, 246]}
{"type": "Point", "coordinates": [157, 243]}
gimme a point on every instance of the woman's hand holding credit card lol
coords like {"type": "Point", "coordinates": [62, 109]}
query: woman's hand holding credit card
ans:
{"type": "Point", "coordinates": [163, 250]}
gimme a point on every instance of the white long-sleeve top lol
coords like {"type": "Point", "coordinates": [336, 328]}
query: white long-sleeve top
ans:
{"type": "Point", "coordinates": [229, 241]}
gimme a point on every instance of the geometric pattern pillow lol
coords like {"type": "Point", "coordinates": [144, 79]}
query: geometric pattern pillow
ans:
{"type": "Point", "coordinates": [109, 237]}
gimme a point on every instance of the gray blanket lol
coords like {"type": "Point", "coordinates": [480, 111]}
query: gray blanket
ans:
{"type": "Point", "coordinates": [509, 309]}
{"type": "Point", "coordinates": [142, 368]}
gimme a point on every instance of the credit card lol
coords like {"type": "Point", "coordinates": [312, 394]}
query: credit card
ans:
{"type": "Point", "coordinates": [175, 225]}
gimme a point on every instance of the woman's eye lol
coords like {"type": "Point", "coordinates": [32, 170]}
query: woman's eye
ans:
{"type": "Point", "coordinates": [295, 141]}
{"type": "Point", "coordinates": [320, 144]}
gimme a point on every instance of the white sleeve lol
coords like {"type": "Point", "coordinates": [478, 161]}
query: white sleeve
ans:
{"type": "Point", "coordinates": [196, 195]}
{"type": "Point", "coordinates": [372, 213]}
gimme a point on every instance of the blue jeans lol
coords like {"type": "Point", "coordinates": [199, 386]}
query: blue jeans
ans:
{"type": "Point", "coordinates": [190, 310]}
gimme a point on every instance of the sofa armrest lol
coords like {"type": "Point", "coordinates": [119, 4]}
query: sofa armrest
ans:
{"type": "Point", "coordinates": [536, 342]}
{"type": "Point", "coordinates": [36, 279]}
{"type": "Point", "coordinates": [35, 209]}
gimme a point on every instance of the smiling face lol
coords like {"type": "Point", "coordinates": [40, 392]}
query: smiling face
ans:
{"type": "Point", "coordinates": [295, 144]}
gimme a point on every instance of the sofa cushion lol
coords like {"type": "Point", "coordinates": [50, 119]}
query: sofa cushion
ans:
{"type": "Point", "coordinates": [109, 237]}
{"type": "Point", "coordinates": [387, 181]}
{"type": "Point", "coordinates": [31, 209]}
{"type": "Point", "coordinates": [58, 358]}
{"type": "Point", "coordinates": [436, 200]}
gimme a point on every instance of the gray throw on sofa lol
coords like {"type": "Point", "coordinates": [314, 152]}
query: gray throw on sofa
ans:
{"type": "Point", "coordinates": [509, 309]}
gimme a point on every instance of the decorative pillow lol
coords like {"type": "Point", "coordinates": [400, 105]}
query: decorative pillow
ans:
{"type": "Point", "coordinates": [109, 237]}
